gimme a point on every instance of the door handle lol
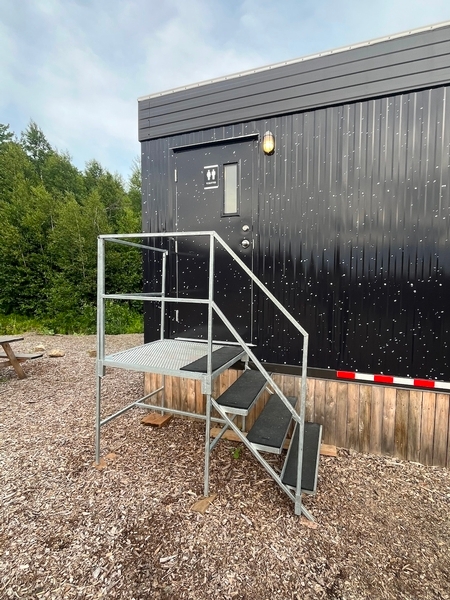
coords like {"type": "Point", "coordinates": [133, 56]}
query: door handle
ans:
{"type": "Point", "coordinates": [245, 243]}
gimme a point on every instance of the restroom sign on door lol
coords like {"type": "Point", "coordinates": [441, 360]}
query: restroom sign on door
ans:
{"type": "Point", "coordinates": [211, 176]}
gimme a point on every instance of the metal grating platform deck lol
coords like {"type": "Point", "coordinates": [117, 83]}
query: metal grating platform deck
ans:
{"type": "Point", "coordinates": [167, 357]}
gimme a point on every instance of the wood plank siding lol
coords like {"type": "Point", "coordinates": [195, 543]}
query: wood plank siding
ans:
{"type": "Point", "coordinates": [403, 423]}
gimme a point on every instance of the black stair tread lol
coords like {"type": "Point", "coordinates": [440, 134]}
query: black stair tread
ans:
{"type": "Point", "coordinates": [219, 358]}
{"type": "Point", "coordinates": [270, 428]}
{"type": "Point", "coordinates": [243, 392]}
{"type": "Point", "coordinates": [311, 448]}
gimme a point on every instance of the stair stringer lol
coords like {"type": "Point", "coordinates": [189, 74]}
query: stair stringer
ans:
{"type": "Point", "coordinates": [261, 460]}
{"type": "Point", "coordinates": [298, 417]}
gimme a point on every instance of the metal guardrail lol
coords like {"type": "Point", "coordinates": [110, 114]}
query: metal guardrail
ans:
{"type": "Point", "coordinates": [162, 298]}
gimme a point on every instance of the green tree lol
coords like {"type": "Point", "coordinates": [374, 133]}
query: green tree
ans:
{"type": "Point", "coordinates": [60, 177]}
{"type": "Point", "coordinates": [27, 263]}
{"type": "Point", "coordinates": [35, 145]}
{"type": "Point", "coordinates": [51, 215]}
{"type": "Point", "coordinates": [134, 188]}
{"type": "Point", "coordinates": [110, 188]}
{"type": "Point", "coordinates": [5, 134]}
{"type": "Point", "coordinates": [74, 240]}
{"type": "Point", "coordinates": [93, 172]}
{"type": "Point", "coordinates": [16, 169]}
{"type": "Point", "coordinates": [73, 243]}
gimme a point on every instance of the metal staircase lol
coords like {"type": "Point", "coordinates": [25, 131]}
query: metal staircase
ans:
{"type": "Point", "coordinates": [205, 361]}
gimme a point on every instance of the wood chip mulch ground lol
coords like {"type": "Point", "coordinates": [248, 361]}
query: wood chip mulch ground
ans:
{"type": "Point", "coordinates": [70, 530]}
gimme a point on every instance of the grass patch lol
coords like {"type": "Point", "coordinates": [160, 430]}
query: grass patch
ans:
{"type": "Point", "coordinates": [17, 324]}
{"type": "Point", "coordinates": [119, 319]}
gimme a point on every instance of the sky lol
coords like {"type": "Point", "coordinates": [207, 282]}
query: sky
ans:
{"type": "Point", "coordinates": [77, 67]}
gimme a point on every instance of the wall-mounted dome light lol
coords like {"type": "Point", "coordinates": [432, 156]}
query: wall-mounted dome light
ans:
{"type": "Point", "coordinates": [268, 143]}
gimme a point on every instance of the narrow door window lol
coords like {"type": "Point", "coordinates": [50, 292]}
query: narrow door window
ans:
{"type": "Point", "coordinates": [230, 194]}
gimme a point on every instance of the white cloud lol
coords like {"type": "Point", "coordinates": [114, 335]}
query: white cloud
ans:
{"type": "Point", "coordinates": [192, 45]}
{"type": "Point", "coordinates": [75, 95]}
{"type": "Point", "coordinates": [77, 67]}
{"type": "Point", "coordinates": [311, 26]}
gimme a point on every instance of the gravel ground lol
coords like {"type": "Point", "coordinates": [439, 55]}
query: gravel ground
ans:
{"type": "Point", "coordinates": [70, 530]}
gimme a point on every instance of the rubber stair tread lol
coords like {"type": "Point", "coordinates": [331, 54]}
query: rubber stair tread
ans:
{"type": "Point", "coordinates": [219, 358]}
{"type": "Point", "coordinates": [311, 451]}
{"type": "Point", "coordinates": [243, 392]}
{"type": "Point", "coordinates": [270, 428]}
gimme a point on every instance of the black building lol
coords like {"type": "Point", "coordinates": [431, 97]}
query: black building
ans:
{"type": "Point", "coordinates": [347, 221]}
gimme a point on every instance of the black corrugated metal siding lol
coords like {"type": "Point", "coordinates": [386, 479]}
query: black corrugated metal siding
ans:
{"type": "Point", "coordinates": [354, 228]}
{"type": "Point", "coordinates": [412, 62]}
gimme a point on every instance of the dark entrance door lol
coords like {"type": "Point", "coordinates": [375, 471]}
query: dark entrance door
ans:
{"type": "Point", "coordinates": [215, 190]}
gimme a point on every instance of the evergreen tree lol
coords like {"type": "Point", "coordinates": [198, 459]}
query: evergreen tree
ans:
{"type": "Point", "coordinates": [15, 169]}
{"type": "Point", "coordinates": [35, 145]}
{"type": "Point", "coordinates": [27, 265]}
{"type": "Point", "coordinates": [51, 215]}
{"type": "Point", "coordinates": [60, 177]}
{"type": "Point", "coordinates": [5, 134]}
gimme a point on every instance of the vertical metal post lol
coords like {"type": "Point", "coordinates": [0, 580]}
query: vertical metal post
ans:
{"type": "Point", "coordinates": [97, 419]}
{"type": "Point", "coordinates": [207, 445]}
{"type": "Point", "coordinates": [163, 314]}
{"type": "Point", "coordinates": [210, 301]}
{"type": "Point", "coordinates": [163, 294]}
{"type": "Point", "coordinates": [246, 361]}
{"type": "Point", "coordinates": [301, 430]}
{"type": "Point", "coordinates": [209, 364]}
{"type": "Point", "coordinates": [100, 338]}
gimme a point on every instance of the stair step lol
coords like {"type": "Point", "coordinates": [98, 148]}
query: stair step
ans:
{"type": "Point", "coordinates": [310, 464]}
{"type": "Point", "coordinates": [240, 396]}
{"type": "Point", "coordinates": [220, 357]}
{"type": "Point", "coordinates": [270, 428]}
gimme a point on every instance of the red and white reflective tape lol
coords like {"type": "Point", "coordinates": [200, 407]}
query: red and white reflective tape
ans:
{"type": "Point", "coordinates": [422, 383]}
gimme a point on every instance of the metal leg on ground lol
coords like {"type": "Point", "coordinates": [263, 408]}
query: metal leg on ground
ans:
{"type": "Point", "coordinates": [97, 419]}
{"type": "Point", "coordinates": [207, 444]}
{"type": "Point", "coordinates": [163, 395]}
{"type": "Point", "coordinates": [305, 511]}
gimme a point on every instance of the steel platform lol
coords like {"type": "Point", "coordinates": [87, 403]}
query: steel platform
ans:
{"type": "Point", "coordinates": [169, 357]}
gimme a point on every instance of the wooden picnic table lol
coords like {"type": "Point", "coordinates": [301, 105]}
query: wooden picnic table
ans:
{"type": "Point", "coordinates": [13, 359]}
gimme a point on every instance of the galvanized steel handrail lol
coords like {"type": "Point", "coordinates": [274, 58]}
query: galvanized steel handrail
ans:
{"type": "Point", "coordinates": [277, 303]}
{"type": "Point", "coordinates": [256, 362]}
{"type": "Point", "coordinates": [298, 417]}
{"type": "Point", "coordinates": [212, 307]}
{"type": "Point", "coordinates": [118, 238]}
